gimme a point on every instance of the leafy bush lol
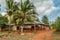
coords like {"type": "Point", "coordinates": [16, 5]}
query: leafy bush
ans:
{"type": "Point", "coordinates": [56, 24]}
{"type": "Point", "coordinates": [3, 21]}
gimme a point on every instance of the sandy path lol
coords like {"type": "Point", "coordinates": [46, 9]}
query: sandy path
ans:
{"type": "Point", "coordinates": [44, 35]}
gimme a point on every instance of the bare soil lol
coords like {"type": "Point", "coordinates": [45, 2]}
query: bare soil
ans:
{"type": "Point", "coordinates": [44, 35]}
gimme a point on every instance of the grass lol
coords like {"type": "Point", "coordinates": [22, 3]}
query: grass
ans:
{"type": "Point", "coordinates": [56, 32]}
{"type": "Point", "coordinates": [12, 36]}
{"type": "Point", "coordinates": [20, 37]}
{"type": "Point", "coordinates": [1, 34]}
{"type": "Point", "coordinates": [55, 36]}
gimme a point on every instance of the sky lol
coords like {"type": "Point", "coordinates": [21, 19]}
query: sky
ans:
{"type": "Point", "coordinates": [51, 8]}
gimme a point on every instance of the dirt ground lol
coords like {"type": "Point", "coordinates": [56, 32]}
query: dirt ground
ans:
{"type": "Point", "coordinates": [44, 35]}
{"type": "Point", "coordinates": [41, 35]}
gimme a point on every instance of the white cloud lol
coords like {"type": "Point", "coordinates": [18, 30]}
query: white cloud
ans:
{"type": "Point", "coordinates": [41, 9]}
{"type": "Point", "coordinates": [17, 1]}
{"type": "Point", "coordinates": [3, 13]}
{"type": "Point", "coordinates": [51, 9]}
{"type": "Point", "coordinates": [45, 7]}
{"type": "Point", "coordinates": [58, 14]}
{"type": "Point", "coordinates": [2, 1]}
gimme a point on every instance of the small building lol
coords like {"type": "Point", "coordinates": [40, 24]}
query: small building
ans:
{"type": "Point", "coordinates": [33, 26]}
{"type": "Point", "coordinates": [30, 27]}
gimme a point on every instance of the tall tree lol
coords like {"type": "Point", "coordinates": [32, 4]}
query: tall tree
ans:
{"type": "Point", "coordinates": [45, 19]}
{"type": "Point", "coordinates": [20, 14]}
{"type": "Point", "coordinates": [11, 8]}
{"type": "Point", "coordinates": [26, 13]}
{"type": "Point", "coordinates": [0, 15]}
{"type": "Point", "coordinates": [56, 24]}
{"type": "Point", "coordinates": [3, 21]}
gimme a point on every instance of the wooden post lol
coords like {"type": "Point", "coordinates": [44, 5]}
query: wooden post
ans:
{"type": "Point", "coordinates": [14, 28]}
{"type": "Point", "coordinates": [41, 27]}
{"type": "Point", "coordinates": [34, 28]}
{"type": "Point", "coordinates": [47, 28]}
{"type": "Point", "coordinates": [0, 29]}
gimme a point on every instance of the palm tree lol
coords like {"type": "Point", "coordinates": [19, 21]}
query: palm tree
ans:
{"type": "Point", "coordinates": [11, 8]}
{"type": "Point", "coordinates": [26, 13]}
{"type": "Point", "coordinates": [9, 11]}
{"type": "Point", "coordinates": [20, 14]}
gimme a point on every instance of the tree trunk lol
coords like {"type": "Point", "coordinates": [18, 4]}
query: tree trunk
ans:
{"type": "Point", "coordinates": [9, 23]}
{"type": "Point", "coordinates": [9, 29]}
{"type": "Point", "coordinates": [22, 30]}
{"type": "Point", "coordinates": [0, 29]}
{"type": "Point", "coordinates": [34, 28]}
{"type": "Point", "coordinates": [14, 28]}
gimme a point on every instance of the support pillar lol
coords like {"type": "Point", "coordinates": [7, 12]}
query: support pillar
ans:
{"type": "Point", "coordinates": [34, 28]}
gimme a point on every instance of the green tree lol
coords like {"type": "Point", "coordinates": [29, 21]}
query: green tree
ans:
{"type": "Point", "coordinates": [3, 21]}
{"type": "Point", "coordinates": [56, 24]}
{"type": "Point", "coordinates": [20, 14]}
{"type": "Point", "coordinates": [0, 15]}
{"type": "Point", "coordinates": [45, 20]}
{"type": "Point", "coordinates": [26, 13]}
{"type": "Point", "coordinates": [11, 8]}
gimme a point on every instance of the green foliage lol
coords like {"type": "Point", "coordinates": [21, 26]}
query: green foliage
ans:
{"type": "Point", "coordinates": [56, 36]}
{"type": "Point", "coordinates": [0, 15]}
{"type": "Point", "coordinates": [56, 24]}
{"type": "Point", "coordinates": [19, 15]}
{"type": "Point", "coordinates": [45, 20]}
{"type": "Point", "coordinates": [3, 20]}
{"type": "Point", "coordinates": [26, 12]}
